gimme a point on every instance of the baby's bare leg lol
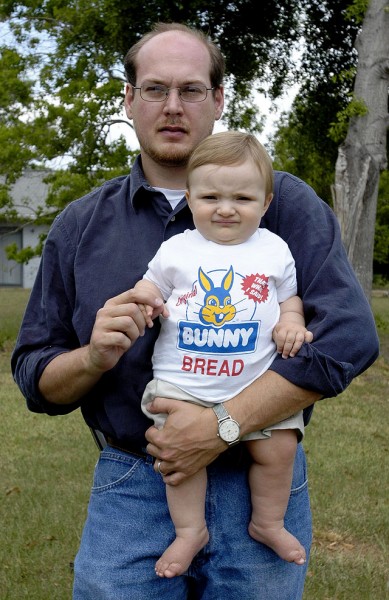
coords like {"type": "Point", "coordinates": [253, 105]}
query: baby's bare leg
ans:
{"type": "Point", "coordinates": [270, 482]}
{"type": "Point", "coordinates": [187, 510]}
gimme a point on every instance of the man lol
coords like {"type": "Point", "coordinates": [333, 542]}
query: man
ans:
{"type": "Point", "coordinates": [76, 349]}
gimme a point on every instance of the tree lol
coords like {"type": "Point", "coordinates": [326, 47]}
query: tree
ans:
{"type": "Point", "coordinates": [362, 155]}
{"type": "Point", "coordinates": [302, 143]}
{"type": "Point", "coordinates": [307, 140]}
{"type": "Point", "coordinates": [68, 57]}
{"type": "Point", "coordinates": [296, 151]}
{"type": "Point", "coordinates": [62, 81]}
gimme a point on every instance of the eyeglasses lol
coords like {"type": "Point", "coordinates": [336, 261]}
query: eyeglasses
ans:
{"type": "Point", "coordinates": [156, 92]}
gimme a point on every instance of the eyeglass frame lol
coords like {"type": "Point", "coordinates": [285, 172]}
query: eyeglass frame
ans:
{"type": "Point", "coordinates": [168, 90]}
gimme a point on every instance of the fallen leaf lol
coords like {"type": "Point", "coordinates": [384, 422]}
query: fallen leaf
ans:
{"type": "Point", "coordinates": [15, 489]}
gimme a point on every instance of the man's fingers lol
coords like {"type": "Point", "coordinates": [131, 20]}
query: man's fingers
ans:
{"type": "Point", "coordinates": [143, 296]}
{"type": "Point", "coordinates": [127, 318]}
{"type": "Point", "coordinates": [163, 405]}
{"type": "Point", "coordinates": [123, 298]}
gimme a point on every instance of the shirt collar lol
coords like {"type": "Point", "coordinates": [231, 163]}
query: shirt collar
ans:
{"type": "Point", "coordinates": [139, 184]}
{"type": "Point", "coordinates": [141, 190]}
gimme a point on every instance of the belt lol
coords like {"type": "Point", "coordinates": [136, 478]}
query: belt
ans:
{"type": "Point", "coordinates": [125, 446]}
{"type": "Point", "coordinates": [235, 457]}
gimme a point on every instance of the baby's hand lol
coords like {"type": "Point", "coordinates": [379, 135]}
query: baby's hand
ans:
{"type": "Point", "coordinates": [289, 337]}
{"type": "Point", "coordinates": [149, 313]}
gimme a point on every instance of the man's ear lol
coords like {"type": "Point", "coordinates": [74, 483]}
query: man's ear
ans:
{"type": "Point", "coordinates": [219, 102]}
{"type": "Point", "coordinates": [128, 98]}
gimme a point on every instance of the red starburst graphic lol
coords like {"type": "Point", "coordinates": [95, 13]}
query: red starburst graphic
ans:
{"type": "Point", "coordinates": [256, 287]}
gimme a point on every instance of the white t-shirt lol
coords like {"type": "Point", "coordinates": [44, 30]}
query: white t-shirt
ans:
{"type": "Point", "coordinates": [223, 302]}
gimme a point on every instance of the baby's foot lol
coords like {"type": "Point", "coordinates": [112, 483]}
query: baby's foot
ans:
{"type": "Point", "coordinates": [178, 556]}
{"type": "Point", "coordinates": [281, 541]}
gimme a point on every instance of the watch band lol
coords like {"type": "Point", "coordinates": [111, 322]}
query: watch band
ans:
{"type": "Point", "coordinates": [221, 412]}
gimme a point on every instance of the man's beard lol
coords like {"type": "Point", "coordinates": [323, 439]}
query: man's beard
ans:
{"type": "Point", "coordinates": [173, 157]}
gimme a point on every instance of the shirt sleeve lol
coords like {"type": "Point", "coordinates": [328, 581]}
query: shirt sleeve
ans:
{"type": "Point", "coordinates": [287, 284]}
{"type": "Point", "coordinates": [336, 309]}
{"type": "Point", "coordinates": [47, 329]}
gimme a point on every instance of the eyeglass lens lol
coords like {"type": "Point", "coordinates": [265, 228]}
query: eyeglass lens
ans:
{"type": "Point", "coordinates": [152, 92]}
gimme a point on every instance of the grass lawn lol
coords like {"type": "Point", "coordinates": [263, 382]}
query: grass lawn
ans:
{"type": "Point", "coordinates": [46, 465]}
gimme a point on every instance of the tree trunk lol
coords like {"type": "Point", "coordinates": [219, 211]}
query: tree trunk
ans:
{"type": "Point", "coordinates": [362, 156]}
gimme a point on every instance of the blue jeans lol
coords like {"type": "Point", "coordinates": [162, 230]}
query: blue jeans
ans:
{"type": "Point", "coordinates": [128, 527]}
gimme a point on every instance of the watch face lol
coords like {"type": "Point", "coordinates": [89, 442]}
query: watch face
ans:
{"type": "Point", "coordinates": [229, 430]}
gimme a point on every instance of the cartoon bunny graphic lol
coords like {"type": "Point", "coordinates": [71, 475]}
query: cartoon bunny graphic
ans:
{"type": "Point", "coordinates": [218, 307]}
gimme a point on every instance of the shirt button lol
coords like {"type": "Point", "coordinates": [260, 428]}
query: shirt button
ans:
{"type": "Point", "coordinates": [173, 218]}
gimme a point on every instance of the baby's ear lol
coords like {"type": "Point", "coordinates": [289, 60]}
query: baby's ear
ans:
{"type": "Point", "coordinates": [187, 196]}
{"type": "Point", "coordinates": [266, 205]}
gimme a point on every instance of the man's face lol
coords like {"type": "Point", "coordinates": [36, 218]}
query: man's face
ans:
{"type": "Point", "coordinates": [169, 130]}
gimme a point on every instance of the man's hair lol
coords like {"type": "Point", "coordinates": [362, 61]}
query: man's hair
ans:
{"type": "Point", "coordinates": [217, 58]}
{"type": "Point", "coordinates": [232, 148]}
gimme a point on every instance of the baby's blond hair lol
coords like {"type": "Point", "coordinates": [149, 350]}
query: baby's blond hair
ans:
{"type": "Point", "coordinates": [232, 148]}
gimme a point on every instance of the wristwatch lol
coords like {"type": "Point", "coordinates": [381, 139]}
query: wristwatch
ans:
{"type": "Point", "coordinates": [229, 429]}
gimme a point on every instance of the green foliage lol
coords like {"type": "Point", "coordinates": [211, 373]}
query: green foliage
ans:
{"type": "Point", "coordinates": [25, 254]}
{"type": "Point", "coordinates": [83, 45]}
{"type": "Point", "coordinates": [61, 82]}
{"type": "Point", "coordinates": [328, 64]}
{"type": "Point", "coordinates": [18, 91]}
{"type": "Point", "coordinates": [338, 129]}
{"type": "Point", "coordinates": [381, 240]}
{"type": "Point", "coordinates": [329, 38]}
{"type": "Point", "coordinates": [73, 54]}
{"type": "Point", "coordinates": [241, 112]}
{"type": "Point", "coordinates": [295, 151]}
{"type": "Point", "coordinates": [16, 98]}
{"type": "Point", "coordinates": [302, 143]}
{"type": "Point", "coordinates": [356, 11]}
{"type": "Point", "coordinates": [4, 195]}
{"type": "Point", "coordinates": [62, 79]}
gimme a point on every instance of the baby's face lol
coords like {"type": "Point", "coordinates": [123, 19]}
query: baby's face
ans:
{"type": "Point", "coordinates": [227, 202]}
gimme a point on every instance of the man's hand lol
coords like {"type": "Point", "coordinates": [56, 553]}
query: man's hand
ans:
{"type": "Point", "coordinates": [71, 375]}
{"type": "Point", "coordinates": [187, 442]}
{"type": "Point", "coordinates": [119, 323]}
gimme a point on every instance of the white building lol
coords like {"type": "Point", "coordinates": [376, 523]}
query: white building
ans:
{"type": "Point", "coordinates": [29, 193]}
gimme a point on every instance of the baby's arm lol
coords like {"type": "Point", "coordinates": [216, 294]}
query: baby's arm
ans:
{"type": "Point", "coordinates": [290, 332]}
{"type": "Point", "coordinates": [143, 289]}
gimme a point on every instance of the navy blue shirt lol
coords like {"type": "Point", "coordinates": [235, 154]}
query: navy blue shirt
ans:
{"type": "Point", "coordinates": [100, 246]}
